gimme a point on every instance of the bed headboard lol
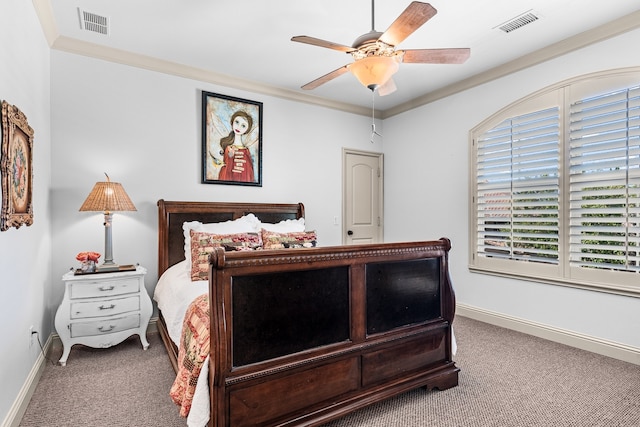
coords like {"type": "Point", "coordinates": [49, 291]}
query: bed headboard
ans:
{"type": "Point", "coordinates": [172, 214]}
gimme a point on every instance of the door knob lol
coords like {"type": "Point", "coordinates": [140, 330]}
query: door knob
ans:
{"type": "Point", "coordinates": [350, 233]}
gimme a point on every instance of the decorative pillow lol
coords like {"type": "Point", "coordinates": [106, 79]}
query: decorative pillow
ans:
{"type": "Point", "coordinates": [202, 245]}
{"type": "Point", "coordinates": [285, 226]}
{"type": "Point", "coordinates": [246, 224]}
{"type": "Point", "coordinates": [275, 240]}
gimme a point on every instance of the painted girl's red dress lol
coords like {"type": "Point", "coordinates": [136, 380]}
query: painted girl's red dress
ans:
{"type": "Point", "coordinates": [238, 165]}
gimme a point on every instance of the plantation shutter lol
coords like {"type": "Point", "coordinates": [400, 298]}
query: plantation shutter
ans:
{"type": "Point", "coordinates": [605, 181]}
{"type": "Point", "coordinates": [517, 175]}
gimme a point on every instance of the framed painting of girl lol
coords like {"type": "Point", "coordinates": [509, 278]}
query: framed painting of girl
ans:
{"type": "Point", "coordinates": [231, 140]}
{"type": "Point", "coordinates": [16, 167]}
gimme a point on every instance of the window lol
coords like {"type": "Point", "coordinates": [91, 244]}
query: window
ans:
{"type": "Point", "coordinates": [556, 186]}
{"type": "Point", "coordinates": [517, 179]}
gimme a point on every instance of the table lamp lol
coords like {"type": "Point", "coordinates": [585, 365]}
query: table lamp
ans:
{"type": "Point", "coordinates": [108, 197]}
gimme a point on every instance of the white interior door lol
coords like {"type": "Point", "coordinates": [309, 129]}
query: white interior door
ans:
{"type": "Point", "coordinates": [362, 220]}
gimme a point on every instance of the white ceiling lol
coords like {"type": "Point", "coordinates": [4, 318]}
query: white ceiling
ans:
{"type": "Point", "coordinates": [249, 40]}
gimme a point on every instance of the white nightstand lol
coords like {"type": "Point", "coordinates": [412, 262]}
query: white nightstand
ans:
{"type": "Point", "coordinates": [103, 309]}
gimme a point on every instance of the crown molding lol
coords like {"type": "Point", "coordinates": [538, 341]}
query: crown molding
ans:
{"type": "Point", "coordinates": [56, 41]}
{"type": "Point", "coordinates": [65, 44]}
{"type": "Point", "coordinates": [93, 50]}
{"type": "Point", "coordinates": [47, 22]}
{"type": "Point", "coordinates": [614, 28]}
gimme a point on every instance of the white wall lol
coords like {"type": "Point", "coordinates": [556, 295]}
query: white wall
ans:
{"type": "Point", "coordinates": [143, 129]}
{"type": "Point", "coordinates": [25, 253]}
{"type": "Point", "coordinates": [427, 156]}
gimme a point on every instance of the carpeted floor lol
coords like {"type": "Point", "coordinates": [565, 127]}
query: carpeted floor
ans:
{"type": "Point", "coordinates": [507, 379]}
{"type": "Point", "coordinates": [121, 386]}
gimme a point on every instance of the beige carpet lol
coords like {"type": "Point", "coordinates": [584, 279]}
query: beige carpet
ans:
{"type": "Point", "coordinates": [507, 379]}
{"type": "Point", "coordinates": [121, 386]}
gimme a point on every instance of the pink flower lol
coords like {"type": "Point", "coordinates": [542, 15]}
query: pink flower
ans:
{"type": "Point", "coordinates": [88, 256]}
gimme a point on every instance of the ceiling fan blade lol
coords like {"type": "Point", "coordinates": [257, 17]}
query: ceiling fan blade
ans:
{"type": "Point", "coordinates": [387, 88]}
{"type": "Point", "coordinates": [327, 77]}
{"type": "Point", "coordinates": [322, 43]}
{"type": "Point", "coordinates": [416, 14]}
{"type": "Point", "coordinates": [436, 56]}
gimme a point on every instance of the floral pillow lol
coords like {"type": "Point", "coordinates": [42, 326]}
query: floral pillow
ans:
{"type": "Point", "coordinates": [202, 244]}
{"type": "Point", "coordinates": [300, 239]}
{"type": "Point", "coordinates": [246, 224]}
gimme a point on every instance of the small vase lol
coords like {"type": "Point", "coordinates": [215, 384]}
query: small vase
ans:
{"type": "Point", "coordinates": [88, 266]}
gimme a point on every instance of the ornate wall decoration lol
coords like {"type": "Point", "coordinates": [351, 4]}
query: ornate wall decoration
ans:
{"type": "Point", "coordinates": [16, 166]}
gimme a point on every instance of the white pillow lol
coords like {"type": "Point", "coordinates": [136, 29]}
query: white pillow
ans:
{"type": "Point", "coordinates": [246, 224]}
{"type": "Point", "coordinates": [285, 226]}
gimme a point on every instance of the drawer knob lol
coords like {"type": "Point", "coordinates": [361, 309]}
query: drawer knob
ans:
{"type": "Point", "coordinates": [104, 307]}
{"type": "Point", "coordinates": [106, 329]}
{"type": "Point", "coordinates": [107, 288]}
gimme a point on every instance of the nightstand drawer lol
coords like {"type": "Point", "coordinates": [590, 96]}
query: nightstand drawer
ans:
{"type": "Point", "coordinates": [83, 329]}
{"type": "Point", "coordinates": [103, 288]}
{"type": "Point", "coordinates": [104, 307]}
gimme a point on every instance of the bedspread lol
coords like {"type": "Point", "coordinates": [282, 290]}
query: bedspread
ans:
{"type": "Point", "coordinates": [194, 350]}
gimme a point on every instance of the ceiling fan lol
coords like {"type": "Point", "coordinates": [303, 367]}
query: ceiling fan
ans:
{"type": "Point", "coordinates": [375, 56]}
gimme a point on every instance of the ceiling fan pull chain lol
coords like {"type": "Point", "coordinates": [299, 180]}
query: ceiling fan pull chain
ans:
{"type": "Point", "coordinates": [373, 116]}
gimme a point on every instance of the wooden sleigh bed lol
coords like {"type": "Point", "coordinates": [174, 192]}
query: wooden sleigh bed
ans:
{"type": "Point", "coordinates": [304, 336]}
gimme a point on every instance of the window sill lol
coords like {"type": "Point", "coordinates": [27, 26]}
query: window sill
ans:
{"type": "Point", "coordinates": [624, 290]}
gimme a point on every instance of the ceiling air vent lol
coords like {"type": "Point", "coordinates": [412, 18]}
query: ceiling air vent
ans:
{"type": "Point", "coordinates": [92, 22]}
{"type": "Point", "coordinates": [519, 22]}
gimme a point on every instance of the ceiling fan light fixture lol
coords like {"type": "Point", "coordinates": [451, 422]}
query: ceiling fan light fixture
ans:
{"type": "Point", "coordinates": [374, 71]}
{"type": "Point", "coordinates": [375, 58]}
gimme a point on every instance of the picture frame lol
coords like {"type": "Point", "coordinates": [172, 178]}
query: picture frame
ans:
{"type": "Point", "coordinates": [16, 167]}
{"type": "Point", "coordinates": [231, 140]}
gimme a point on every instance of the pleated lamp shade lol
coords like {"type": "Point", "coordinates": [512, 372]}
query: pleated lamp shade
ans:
{"type": "Point", "coordinates": [108, 197]}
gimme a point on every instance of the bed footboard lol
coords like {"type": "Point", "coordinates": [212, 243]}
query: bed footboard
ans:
{"type": "Point", "coordinates": [303, 336]}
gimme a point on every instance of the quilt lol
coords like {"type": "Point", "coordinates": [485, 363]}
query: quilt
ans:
{"type": "Point", "coordinates": [193, 353]}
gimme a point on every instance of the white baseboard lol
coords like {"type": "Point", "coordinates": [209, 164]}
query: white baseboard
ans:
{"type": "Point", "coordinates": [597, 345]}
{"type": "Point", "coordinates": [21, 402]}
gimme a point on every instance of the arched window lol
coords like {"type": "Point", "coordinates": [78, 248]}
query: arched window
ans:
{"type": "Point", "coordinates": [556, 185]}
